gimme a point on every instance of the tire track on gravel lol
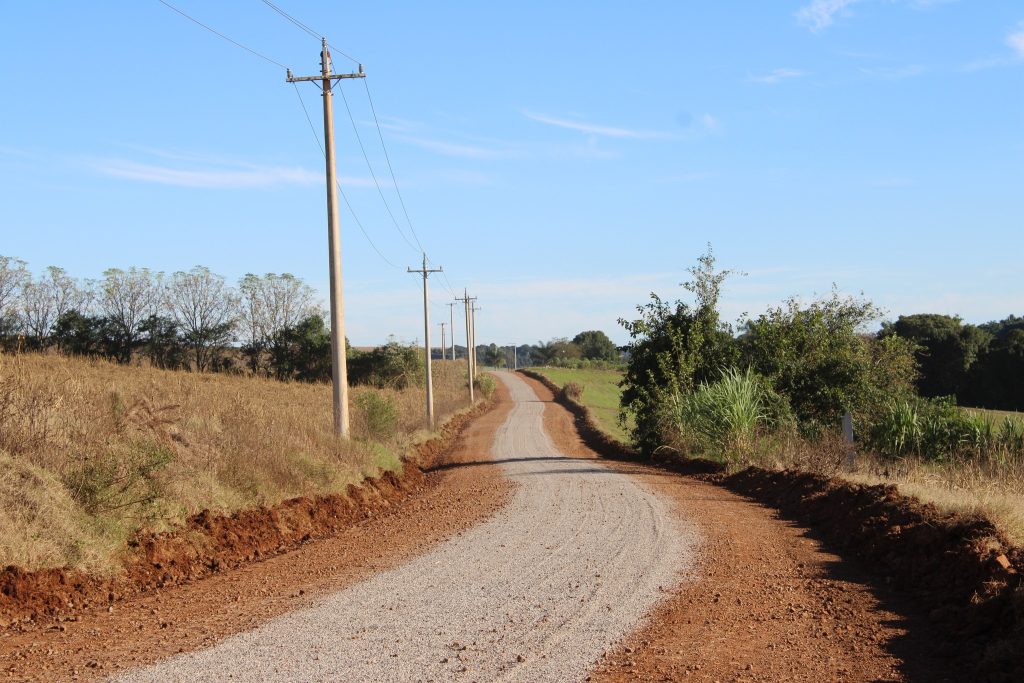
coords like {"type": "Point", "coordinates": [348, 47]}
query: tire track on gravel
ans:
{"type": "Point", "coordinates": [537, 593]}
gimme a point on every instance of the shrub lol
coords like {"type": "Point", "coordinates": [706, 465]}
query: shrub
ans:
{"type": "Point", "coordinates": [380, 414]}
{"type": "Point", "coordinates": [485, 386]}
{"type": "Point", "coordinates": [573, 391]}
{"type": "Point", "coordinates": [725, 417]}
{"type": "Point", "coordinates": [392, 366]}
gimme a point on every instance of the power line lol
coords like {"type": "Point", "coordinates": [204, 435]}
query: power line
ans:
{"type": "Point", "coordinates": [221, 35]}
{"type": "Point", "coordinates": [306, 28]}
{"type": "Point", "coordinates": [373, 175]}
{"type": "Point", "coordinates": [341, 191]}
{"type": "Point", "coordinates": [387, 157]}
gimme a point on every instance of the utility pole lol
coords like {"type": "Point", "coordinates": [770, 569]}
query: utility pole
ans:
{"type": "Point", "coordinates": [451, 325]}
{"type": "Point", "coordinates": [467, 302]}
{"type": "Point", "coordinates": [426, 336]}
{"type": "Point", "coordinates": [444, 346]}
{"type": "Point", "coordinates": [339, 369]}
{"type": "Point", "coordinates": [515, 359]}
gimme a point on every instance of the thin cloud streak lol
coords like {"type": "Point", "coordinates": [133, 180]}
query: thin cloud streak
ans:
{"type": "Point", "coordinates": [460, 150]}
{"type": "Point", "coordinates": [596, 129]}
{"type": "Point", "coordinates": [777, 76]}
{"type": "Point", "coordinates": [244, 178]}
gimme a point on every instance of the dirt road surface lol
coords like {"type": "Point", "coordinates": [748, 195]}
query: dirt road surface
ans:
{"type": "Point", "coordinates": [536, 593]}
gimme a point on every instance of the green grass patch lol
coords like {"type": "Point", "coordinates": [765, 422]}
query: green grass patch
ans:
{"type": "Point", "coordinates": [601, 394]}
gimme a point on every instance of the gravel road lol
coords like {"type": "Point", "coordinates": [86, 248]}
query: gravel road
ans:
{"type": "Point", "coordinates": [537, 593]}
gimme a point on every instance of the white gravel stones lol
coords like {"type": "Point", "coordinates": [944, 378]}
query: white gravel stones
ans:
{"type": "Point", "coordinates": [537, 593]}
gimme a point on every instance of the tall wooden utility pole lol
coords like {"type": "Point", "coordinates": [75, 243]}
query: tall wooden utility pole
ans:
{"type": "Point", "coordinates": [339, 370]}
{"type": "Point", "coordinates": [451, 325]}
{"type": "Point", "coordinates": [444, 347]}
{"type": "Point", "coordinates": [467, 301]}
{"type": "Point", "coordinates": [426, 336]}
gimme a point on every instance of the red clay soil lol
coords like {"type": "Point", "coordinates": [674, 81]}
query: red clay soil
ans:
{"type": "Point", "coordinates": [255, 565]}
{"type": "Point", "coordinates": [767, 602]}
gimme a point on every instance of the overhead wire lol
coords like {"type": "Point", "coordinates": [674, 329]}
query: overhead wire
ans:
{"type": "Point", "coordinates": [221, 35]}
{"type": "Point", "coordinates": [418, 247]}
{"type": "Point", "coordinates": [306, 28]}
{"type": "Point", "coordinates": [359, 223]}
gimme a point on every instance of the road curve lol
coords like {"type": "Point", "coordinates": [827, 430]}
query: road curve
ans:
{"type": "Point", "coordinates": [537, 593]}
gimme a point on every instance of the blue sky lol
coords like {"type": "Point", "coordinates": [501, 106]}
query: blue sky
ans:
{"type": "Point", "coordinates": [560, 160]}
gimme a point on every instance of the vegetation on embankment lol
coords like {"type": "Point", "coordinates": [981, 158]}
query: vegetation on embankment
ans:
{"type": "Point", "coordinates": [600, 392]}
{"type": "Point", "coordinates": [91, 452]}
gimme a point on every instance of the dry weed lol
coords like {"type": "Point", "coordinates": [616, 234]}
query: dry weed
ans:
{"type": "Point", "coordinates": [91, 451]}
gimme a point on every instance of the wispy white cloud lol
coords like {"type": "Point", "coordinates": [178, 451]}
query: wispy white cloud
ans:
{"type": "Point", "coordinates": [454, 149]}
{"type": "Point", "coordinates": [821, 14]}
{"type": "Point", "coordinates": [894, 73]}
{"type": "Point", "coordinates": [215, 178]}
{"type": "Point", "coordinates": [778, 75]}
{"type": "Point", "coordinates": [596, 129]}
{"type": "Point", "coordinates": [1016, 41]}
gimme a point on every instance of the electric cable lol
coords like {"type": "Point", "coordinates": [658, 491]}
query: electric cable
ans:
{"type": "Point", "coordinates": [221, 35]}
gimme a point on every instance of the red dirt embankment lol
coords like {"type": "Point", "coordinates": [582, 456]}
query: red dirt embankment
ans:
{"type": "Point", "coordinates": [962, 570]}
{"type": "Point", "coordinates": [211, 543]}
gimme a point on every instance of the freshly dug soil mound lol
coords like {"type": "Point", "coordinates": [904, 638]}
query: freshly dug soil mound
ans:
{"type": "Point", "coordinates": [962, 569]}
{"type": "Point", "coordinates": [210, 543]}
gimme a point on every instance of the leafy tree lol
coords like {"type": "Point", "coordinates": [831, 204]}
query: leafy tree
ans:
{"type": "Point", "coordinates": [946, 350]}
{"type": "Point", "coordinates": [126, 298]}
{"type": "Point", "coordinates": [79, 335]}
{"type": "Point", "coordinates": [995, 379]}
{"type": "Point", "coordinates": [817, 356]}
{"type": "Point", "coordinates": [494, 356]}
{"type": "Point", "coordinates": [162, 343]}
{"type": "Point", "coordinates": [46, 299]}
{"type": "Point", "coordinates": [556, 351]}
{"type": "Point", "coordinates": [392, 365]}
{"type": "Point", "coordinates": [302, 351]}
{"type": "Point", "coordinates": [673, 348]}
{"type": "Point", "coordinates": [268, 304]}
{"type": "Point", "coordinates": [203, 307]}
{"type": "Point", "coordinates": [595, 345]}
{"type": "Point", "coordinates": [13, 276]}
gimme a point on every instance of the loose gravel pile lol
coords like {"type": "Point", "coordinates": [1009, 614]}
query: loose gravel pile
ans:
{"type": "Point", "coordinates": [537, 593]}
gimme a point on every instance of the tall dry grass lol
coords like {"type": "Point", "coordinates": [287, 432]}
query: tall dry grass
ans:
{"type": "Point", "coordinates": [91, 451]}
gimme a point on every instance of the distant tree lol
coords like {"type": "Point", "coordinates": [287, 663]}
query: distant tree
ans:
{"type": "Point", "coordinates": [595, 345]}
{"type": "Point", "coordinates": [204, 309]}
{"type": "Point", "coordinates": [946, 350]}
{"type": "Point", "coordinates": [302, 351]}
{"type": "Point", "coordinates": [268, 304]}
{"type": "Point", "coordinates": [13, 276]}
{"type": "Point", "coordinates": [47, 298]}
{"type": "Point", "coordinates": [79, 335]}
{"type": "Point", "coordinates": [556, 351]}
{"type": "Point", "coordinates": [392, 365]}
{"type": "Point", "coordinates": [494, 356]}
{"type": "Point", "coordinates": [126, 298]}
{"type": "Point", "coordinates": [994, 380]}
{"type": "Point", "coordinates": [162, 343]}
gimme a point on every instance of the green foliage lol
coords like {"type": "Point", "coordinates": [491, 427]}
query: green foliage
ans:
{"type": "Point", "coordinates": [393, 365]}
{"type": "Point", "coordinates": [485, 386]}
{"type": "Point", "coordinates": [672, 349]}
{"type": "Point", "coordinates": [118, 481]}
{"type": "Point", "coordinates": [595, 345]}
{"type": "Point", "coordinates": [817, 356]}
{"type": "Point", "coordinates": [946, 350]}
{"type": "Point", "coordinates": [380, 414]}
{"type": "Point", "coordinates": [162, 343]}
{"type": "Point", "coordinates": [302, 351]}
{"type": "Point", "coordinates": [937, 429]}
{"type": "Point", "coordinates": [995, 379]}
{"type": "Point", "coordinates": [556, 352]}
{"type": "Point", "coordinates": [724, 418]}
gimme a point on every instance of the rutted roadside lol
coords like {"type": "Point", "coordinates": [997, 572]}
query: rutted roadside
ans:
{"type": "Point", "coordinates": [390, 526]}
{"type": "Point", "coordinates": [962, 571]}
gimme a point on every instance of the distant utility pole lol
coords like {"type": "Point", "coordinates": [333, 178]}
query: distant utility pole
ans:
{"type": "Point", "coordinates": [339, 370]}
{"type": "Point", "coordinates": [515, 359]}
{"type": "Point", "coordinates": [467, 302]}
{"type": "Point", "coordinates": [426, 335]}
{"type": "Point", "coordinates": [451, 325]}
{"type": "Point", "coordinates": [444, 346]}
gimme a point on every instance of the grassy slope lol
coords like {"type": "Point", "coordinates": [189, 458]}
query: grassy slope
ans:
{"type": "Point", "coordinates": [91, 451]}
{"type": "Point", "coordinates": [600, 393]}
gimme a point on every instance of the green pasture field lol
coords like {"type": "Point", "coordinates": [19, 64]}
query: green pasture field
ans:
{"type": "Point", "coordinates": [600, 393]}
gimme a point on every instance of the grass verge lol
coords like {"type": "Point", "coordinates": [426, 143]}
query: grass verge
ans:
{"type": "Point", "coordinates": [92, 452]}
{"type": "Point", "coordinates": [600, 393]}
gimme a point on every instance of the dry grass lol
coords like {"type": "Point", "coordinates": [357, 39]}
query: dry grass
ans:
{"type": "Point", "coordinates": [91, 451]}
{"type": "Point", "coordinates": [992, 488]}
